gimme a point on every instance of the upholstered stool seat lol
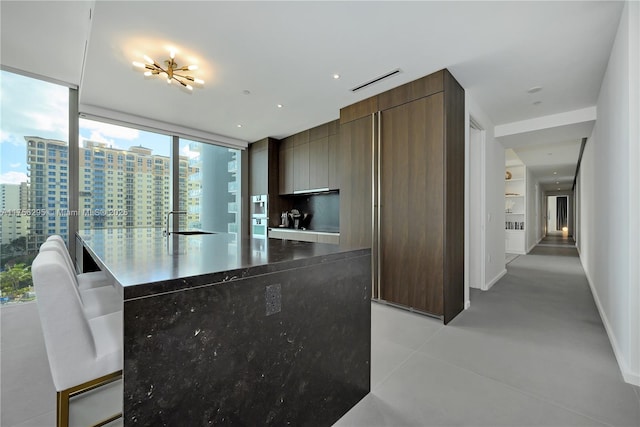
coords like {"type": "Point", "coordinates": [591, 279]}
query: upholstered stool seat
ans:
{"type": "Point", "coordinates": [84, 353]}
{"type": "Point", "coordinates": [97, 297]}
{"type": "Point", "coordinates": [94, 279]}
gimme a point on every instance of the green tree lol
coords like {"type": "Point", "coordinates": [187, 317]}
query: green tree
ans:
{"type": "Point", "coordinates": [15, 278]}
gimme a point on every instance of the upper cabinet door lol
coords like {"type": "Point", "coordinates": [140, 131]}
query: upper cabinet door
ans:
{"type": "Point", "coordinates": [333, 160]}
{"type": "Point", "coordinates": [301, 167]}
{"type": "Point", "coordinates": [319, 163]}
{"type": "Point", "coordinates": [258, 171]}
{"type": "Point", "coordinates": [286, 166]}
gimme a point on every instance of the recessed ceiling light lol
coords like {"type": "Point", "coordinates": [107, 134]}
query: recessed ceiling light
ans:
{"type": "Point", "coordinates": [279, 105]}
{"type": "Point", "coordinates": [239, 126]}
{"type": "Point", "coordinates": [534, 89]}
{"type": "Point", "coordinates": [557, 182]}
{"type": "Point", "coordinates": [555, 173]}
{"type": "Point", "coordinates": [336, 76]}
{"type": "Point", "coordinates": [558, 188]}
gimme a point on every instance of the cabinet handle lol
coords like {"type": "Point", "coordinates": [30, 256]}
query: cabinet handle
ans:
{"type": "Point", "coordinates": [379, 264]}
{"type": "Point", "coordinates": [374, 254]}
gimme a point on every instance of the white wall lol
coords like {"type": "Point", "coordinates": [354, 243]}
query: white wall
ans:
{"type": "Point", "coordinates": [608, 210]}
{"type": "Point", "coordinates": [493, 215]}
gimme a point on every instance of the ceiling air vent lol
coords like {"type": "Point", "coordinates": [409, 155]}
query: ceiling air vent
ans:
{"type": "Point", "coordinates": [376, 80]}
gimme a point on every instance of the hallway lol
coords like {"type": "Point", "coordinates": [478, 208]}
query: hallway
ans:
{"type": "Point", "coordinates": [531, 351]}
{"type": "Point", "coordinates": [557, 240]}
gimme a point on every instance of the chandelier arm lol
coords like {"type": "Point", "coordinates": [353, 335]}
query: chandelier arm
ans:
{"type": "Point", "coordinates": [184, 77]}
{"type": "Point", "coordinates": [180, 81]}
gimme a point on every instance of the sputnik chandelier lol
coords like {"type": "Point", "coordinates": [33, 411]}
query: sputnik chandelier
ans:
{"type": "Point", "coordinates": [171, 72]}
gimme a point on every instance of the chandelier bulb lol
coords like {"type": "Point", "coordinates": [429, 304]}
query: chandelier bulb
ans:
{"type": "Point", "coordinates": [172, 54]}
{"type": "Point", "coordinates": [168, 81]}
{"type": "Point", "coordinates": [149, 60]}
{"type": "Point", "coordinates": [148, 73]}
{"type": "Point", "coordinates": [189, 87]}
{"type": "Point", "coordinates": [138, 64]}
{"type": "Point", "coordinates": [199, 81]}
{"type": "Point", "coordinates": [192, 67]}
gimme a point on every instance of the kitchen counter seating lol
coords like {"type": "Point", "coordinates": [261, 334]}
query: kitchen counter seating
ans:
{"type": "Point", "coordinates": [84, 352]}
{"type": "Point", "coordinates": [97, 294]}
{"type": "Point", "coordinates": [224, 330]}
{"type": "Point", "coordinates": [94, 279]}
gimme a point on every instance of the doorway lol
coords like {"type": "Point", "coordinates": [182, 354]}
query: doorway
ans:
{"type": "Point", "coordinates": [558, 221]}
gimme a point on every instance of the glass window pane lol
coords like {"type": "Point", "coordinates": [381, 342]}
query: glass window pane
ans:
{"type": "Point", "coordinates": [209, 180]}
{"type": "Point", "coordinates": [125, 177]}
{"type": "Point", "coordinates": [34, 142]}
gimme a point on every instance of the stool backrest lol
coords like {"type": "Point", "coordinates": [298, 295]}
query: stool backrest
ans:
{"type": "Point", "coordinates": [67, 334]}
{"type": "Point", "coordinates": [52, 245]}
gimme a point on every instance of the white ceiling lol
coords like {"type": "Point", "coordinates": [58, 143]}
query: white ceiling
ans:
{"type": "Point", "coordinates": [286, 53]}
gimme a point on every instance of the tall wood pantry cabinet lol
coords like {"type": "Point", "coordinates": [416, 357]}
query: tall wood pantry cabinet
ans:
{"type": "Point", "coordinates": [402, 192]}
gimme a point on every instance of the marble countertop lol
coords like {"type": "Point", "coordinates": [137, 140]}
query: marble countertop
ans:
{"type": "Point", "coordinates": [144, 262]}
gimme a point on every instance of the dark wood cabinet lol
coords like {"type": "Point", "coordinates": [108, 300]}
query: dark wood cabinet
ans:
{"type": "Point", "coordinates": [319, 163]}
{"type": "Point", "coordinates": [333, 154]}
{"type": "Point", "coordinates": [285, 162]}
{"type": "Point", "coordinates": [411, 208]}
{"type": "Point", "coordinates": [402, 192]}
{"type": "Point", "coordinates": [309, 160]}
{"type": "Point", "coordinates": [258, 168]}
{"type": "Point", "coordinates": [301, 167]}
{"type": "Point", "coordinates": [355, 185]}
{"type": "Point", "coordinates": [264, 175]}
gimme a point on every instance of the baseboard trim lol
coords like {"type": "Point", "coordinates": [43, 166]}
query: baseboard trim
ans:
{"type": "Point", "coordinates": [627, 375]}
{"type": "Point", "coordinates": [495, 279]}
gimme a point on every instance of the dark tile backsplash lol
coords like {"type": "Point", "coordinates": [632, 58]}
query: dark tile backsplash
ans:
{"type": "Point", "coordinates": [325, 209]}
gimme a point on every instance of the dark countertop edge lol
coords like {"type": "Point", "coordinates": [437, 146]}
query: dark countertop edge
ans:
{"type": "Point", "coordinates": [208, 279]}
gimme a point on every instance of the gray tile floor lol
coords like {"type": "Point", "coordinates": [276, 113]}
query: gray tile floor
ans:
{"type": "Point", "coordinates": [531, 351]}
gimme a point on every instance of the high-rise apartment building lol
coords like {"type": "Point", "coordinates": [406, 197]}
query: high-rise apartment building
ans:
{"type": "Point", "coordinates": [13, 202]}
{"type": "Point", "coordinates": [127, 188]}
{"type": "Point", "coordinates": [117, 188]}
{"type": "Point", "coordinates": [48, 166]}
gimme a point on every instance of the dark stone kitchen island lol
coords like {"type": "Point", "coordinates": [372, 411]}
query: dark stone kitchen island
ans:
{"type": "Point", "coordinates": [224, 330]}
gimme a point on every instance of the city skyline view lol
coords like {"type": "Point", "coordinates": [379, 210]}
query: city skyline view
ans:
{"type": "Point", "coordinates": [32, 107]}
{"type": "Point", "coordinates": [124, 179]}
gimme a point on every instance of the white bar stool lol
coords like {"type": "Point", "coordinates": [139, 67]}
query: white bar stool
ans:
{"type": "Point", "coordinates": [84, 353]}
{"type": "Point", "coordinates": [94, 279]}
{"type": "Point", "coordinates": [97, 298]}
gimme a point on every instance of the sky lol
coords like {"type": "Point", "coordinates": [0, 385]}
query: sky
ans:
{"type": "Point", "coordinates": [31, 107]}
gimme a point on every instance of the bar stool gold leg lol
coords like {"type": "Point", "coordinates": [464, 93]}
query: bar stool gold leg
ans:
{"type": "Point", "coordinates": [63, 397]}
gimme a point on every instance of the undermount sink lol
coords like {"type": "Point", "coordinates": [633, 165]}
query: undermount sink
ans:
{"type": "Point", "coordinates": [192, 232]}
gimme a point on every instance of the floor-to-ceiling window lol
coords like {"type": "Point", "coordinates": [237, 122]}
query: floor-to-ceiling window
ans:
{"type": "Point", "coordinates": [126, 180]}
{"type": "Point", "coordinates": [124, 177]}
{"type": "Point", "coordinates": [34, 176]}
{"type": "Point", "coordinates": [210, 186]}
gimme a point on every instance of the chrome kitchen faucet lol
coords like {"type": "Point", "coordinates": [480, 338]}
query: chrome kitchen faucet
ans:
{"type": "Point", "coordinates": [166, 231]}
